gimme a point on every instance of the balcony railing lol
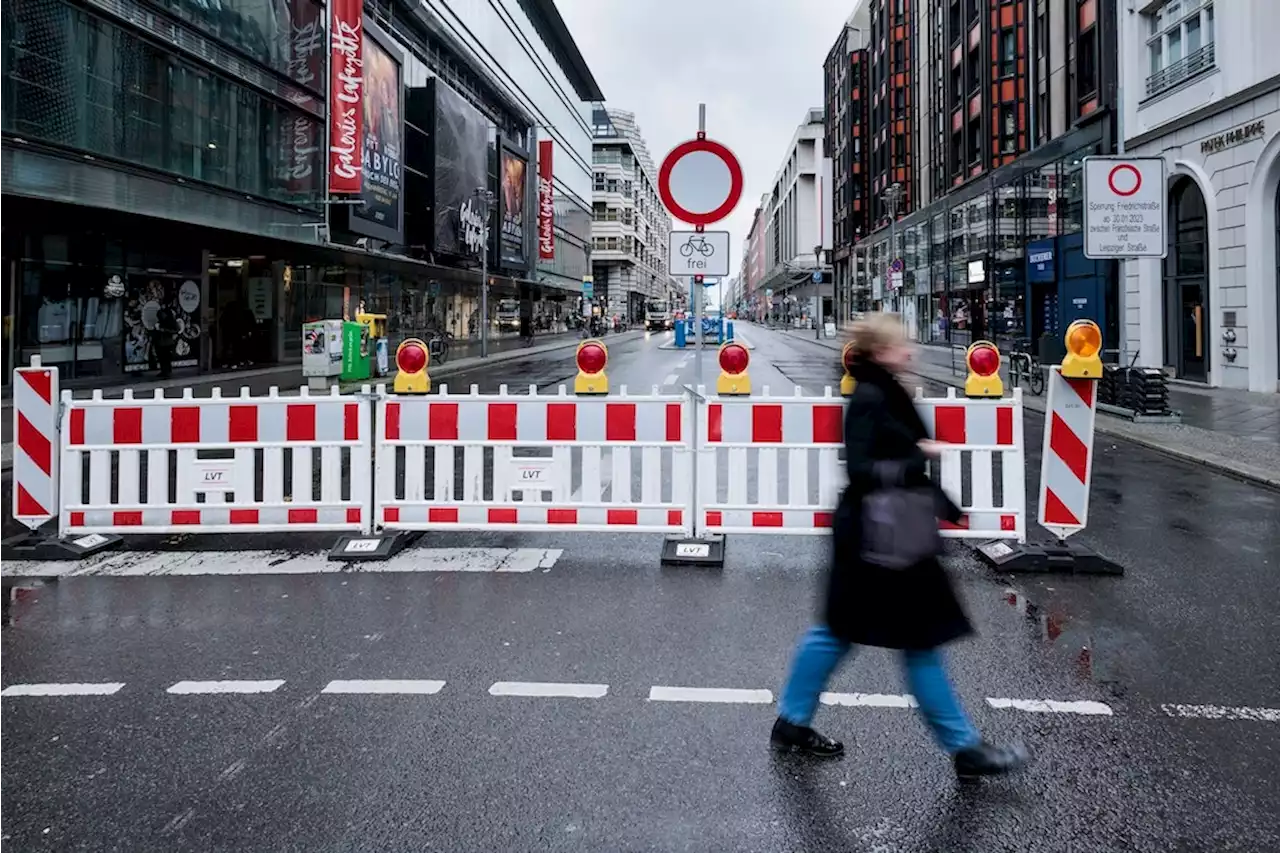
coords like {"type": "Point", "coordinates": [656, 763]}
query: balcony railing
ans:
{"type": "Point", "coordinates": [1184, 69]}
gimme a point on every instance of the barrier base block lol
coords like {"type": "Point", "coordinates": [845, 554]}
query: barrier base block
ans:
{"type": "Point", "coordinates": [1059, 558]}
{"type": "Point", "coordinates": [704, 551]}
{"type": "Point", "coordinates": [36, 546]}
{"type": "Point", "coordinates": [358, 548]}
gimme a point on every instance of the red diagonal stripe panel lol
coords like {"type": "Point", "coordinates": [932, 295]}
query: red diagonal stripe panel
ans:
{"type": "Point", "coordinates": [40, 381]}
{"type": "Point", "coordinates": [29, 506]}
{"type": "Point", "coordinates": [1055, 511]}
{"type": "Point", "coordinates": [35, 445]}
{"type": "Point", "coordinates": [1084, 388]}
{"type": "Point", "coordinates": [1064, 444]}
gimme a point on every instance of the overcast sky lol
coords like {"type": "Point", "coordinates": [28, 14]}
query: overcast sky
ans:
{"type": "Point", "coordinates": [757, 64]}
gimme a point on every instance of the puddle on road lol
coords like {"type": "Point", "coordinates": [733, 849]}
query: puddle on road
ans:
{"type": "Point", "coordinates": [1067, 638]}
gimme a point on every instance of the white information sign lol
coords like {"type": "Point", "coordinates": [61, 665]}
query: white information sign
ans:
{"type": "Point", "coordinates": [1124, 207]}
{"type": "Point", "coordinates": [699, 253]}
{"type": "Point", "coordinates": [689, 549]}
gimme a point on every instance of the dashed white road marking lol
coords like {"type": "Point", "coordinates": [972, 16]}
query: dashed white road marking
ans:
{"type": "Point", "coordinates": [385, 686]}
{"type": "Point", "coordinates": [671, 379]}
{"type": "Point", "coordinates": [722, 695]}
{"type": "Point", "coordinates": [172, 563]}
{"type": "Point", "coordinates": [74, 689]}
{"type": "Point", "coordinates": [1220, 712]}
{"type": "Point", "coordinates": [186, 688]}
{"type": "Point", "coordinates": [548, 689]}
{"type": "Point", "coordinates": [868, 700]}
{"type": "Point", "coordinates": [1052, 706]}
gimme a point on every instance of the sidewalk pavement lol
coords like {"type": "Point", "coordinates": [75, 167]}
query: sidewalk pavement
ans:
{"type": "Point", "coordinates": [288, 377]}
{"type": "Point", "coordinates": [1237, 432]}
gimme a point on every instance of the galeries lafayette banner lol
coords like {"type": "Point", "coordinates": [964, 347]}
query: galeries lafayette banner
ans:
{"type": "Point", "coordinates": [346, 96]}
{"type": "Point", "coordinates": [546, 203]}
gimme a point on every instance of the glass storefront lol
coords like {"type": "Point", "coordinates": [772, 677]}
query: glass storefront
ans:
{"type": "Point", "coordinates": [966, 258]}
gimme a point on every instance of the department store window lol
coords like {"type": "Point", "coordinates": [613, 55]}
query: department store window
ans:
{"type": "Point", "coordinates": [1008, 128]}
{"type": "Point", "coordinates": [1008, 52]}
{"type": "Point", "coordinates": [75, 80]}
{"type": "Point", "coordinates": [1180, 43]}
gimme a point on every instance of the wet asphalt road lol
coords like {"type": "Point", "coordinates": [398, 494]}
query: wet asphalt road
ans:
{"type": "Point", "coordinates": [1193, 622]}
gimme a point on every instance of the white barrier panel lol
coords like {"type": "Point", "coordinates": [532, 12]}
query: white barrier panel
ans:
{"type": "Point", "coordinates": [542, 462]}
{"type": "Point", "coordinates": [806, 435]}
{"type": "Point", "coordinates": [216, 465]}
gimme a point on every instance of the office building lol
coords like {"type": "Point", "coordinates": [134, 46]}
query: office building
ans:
{"type": "Point", "coordinates": [1010, 97]}
{"type": "Point", "coordinates": [846, 131]}
{"type": "Point", "coordinates": [629, 224]}
{"type": "Point", "coordinates": [173, 156]}
{"type": "Point", "coordinates": [798, 228]}
{"type": "Point", "coordinates": [1203, 79]}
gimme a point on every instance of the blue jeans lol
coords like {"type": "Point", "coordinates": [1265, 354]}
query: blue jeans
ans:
{"type": "Point", "coordinates": [820, 652]}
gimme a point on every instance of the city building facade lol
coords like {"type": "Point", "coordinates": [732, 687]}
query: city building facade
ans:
{"type": "Point", "coordinates": [162, 156]}
{"type": "Point", "coordinates": [798, 229]}
{"type": "Point", "coordinates": [845, 134]}
{"type": "Point", "coordinates": [630, 226]}
{"type": "Point", "coordinates": [1011, 96]}
{"type": "Point", "coordinates": [1205, 97]}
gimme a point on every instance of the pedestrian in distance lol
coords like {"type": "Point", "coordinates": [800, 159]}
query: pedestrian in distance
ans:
{"type": "Point", "coordinates": [886, 586]}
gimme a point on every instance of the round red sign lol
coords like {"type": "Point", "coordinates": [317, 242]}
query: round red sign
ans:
{"type": "Point", "coordinates": [700, 181]}
{"type": "Point", "coordinates": [1119, 177]}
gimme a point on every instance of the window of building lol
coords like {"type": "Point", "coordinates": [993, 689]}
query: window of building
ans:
{"type": "Point", "coordinates": [1180, 44]}
{"type": "Point", "coordinates": [899, 103]}
{"type": "Point", "coordinates": [76, 80]}
{"type": "Point", "coordinates": [1042, 35]}
{"type": "Point", "coordinates": [975, 142]}
{"type": "Point", "coordinates": [1087, 64]}
{"type": "Point", "coordinates": [974, 66]}
{"type": "Point", "coordinates": [1008, 128]}
{"type": "Point", "coordinates": [1008, 52]}
{"type": "Point", "coordinates": [957, 151]}
{"type": "Point", "coordinates": [899, 57]}
{"type": "Point", "coordinates": [598, 181]}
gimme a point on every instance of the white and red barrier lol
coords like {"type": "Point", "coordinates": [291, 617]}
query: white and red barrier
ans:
{"type": "Point", "coordinates": [35, 444]}
{"type": "Point", "coordinates": [1066, 466]}
{"type": "Point", "coordinates": [808, 433]}
{"type": "Point", "coordinates": [432, 472]}
{"type": "Point", "coordinates": [216, 464]}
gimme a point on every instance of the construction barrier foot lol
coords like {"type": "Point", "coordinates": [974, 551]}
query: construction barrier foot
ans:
{"type": "Point", "coordinates": [359, 548]}
{"type": "Point", "coordinates": [1060, 558]}
{"type": "Point", "coordinates": [703, 551]}
{"type": "Point", "coordinates": [36, 546]}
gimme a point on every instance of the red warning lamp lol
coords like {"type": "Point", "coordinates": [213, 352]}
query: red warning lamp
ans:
{"type": "Point", "coordinates": [734, 358]}
{"type": "Point", "coordinates": [734, 379]}
{"type": "Point", "coordinates": [412, 358]}
{"type": "Point", "coordinates": [847, 358]}
{"type": "Point", "coordinates": [591, 358]}
{"type": "Point", "coordinates": [983, 360]}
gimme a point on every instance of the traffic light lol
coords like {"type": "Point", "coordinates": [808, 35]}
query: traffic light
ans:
{"type": "Point", "coordinates": [847, 383]}
{"type": "Point", "coordinates": [983, 360]}
{"type": "Point", "coordinates": [592, 356]}
{"type": "Point", "coordinates": [734, 381]}
{"type": "Point", "coordinates": [412, 358]}
{"type": "Point", "coordinates": [1084, 343]}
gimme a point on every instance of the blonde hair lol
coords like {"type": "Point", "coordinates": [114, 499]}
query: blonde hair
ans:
{"type": "Point", "coordinates": [873, 332]}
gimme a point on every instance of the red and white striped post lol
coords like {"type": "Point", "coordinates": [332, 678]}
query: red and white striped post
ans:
{"type": "Point", "coordinates": [35, 444]}
{"type": "Point", "coordinates": [1066, 466]}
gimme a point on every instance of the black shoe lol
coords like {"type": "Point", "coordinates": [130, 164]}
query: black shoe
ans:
{"type": "Point", "coordinates": [788, 737]}
{"type": "Point", "coordinates": [986, 759]}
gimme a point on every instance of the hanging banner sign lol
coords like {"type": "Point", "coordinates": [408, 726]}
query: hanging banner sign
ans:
{"type": "Point", "coordinates": [546, 203]}
{"type": "Point", "coordinates": [346, 96]}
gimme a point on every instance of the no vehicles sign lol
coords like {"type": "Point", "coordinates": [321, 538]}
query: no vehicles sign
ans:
{"type": "Point", "coordinates": [1124, 207]}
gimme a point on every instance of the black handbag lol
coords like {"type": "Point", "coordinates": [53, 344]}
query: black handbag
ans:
{"type": "Point", "coordinates": [900, 527]}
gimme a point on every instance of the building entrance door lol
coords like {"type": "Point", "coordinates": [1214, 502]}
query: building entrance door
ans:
{"type": "Point", "coordinates": [1192, 361]}
{"type": "Point", "coordinates": [1186, 284]}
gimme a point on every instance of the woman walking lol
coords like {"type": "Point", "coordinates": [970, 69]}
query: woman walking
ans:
{"type": "Point", "coordinates": [886, 586]}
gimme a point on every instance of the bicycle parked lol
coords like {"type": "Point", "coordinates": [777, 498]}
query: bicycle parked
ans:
{"type": "Point", "coordinates": [1023, 364]}
{"type": "Point", "coordinates": [438, 344]}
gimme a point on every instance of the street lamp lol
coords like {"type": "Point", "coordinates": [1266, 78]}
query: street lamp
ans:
{"type": "Point", "coordinates": [892, 198]}
{"type": "Point", "coordinates": [817, 292]}
{"type": "Point", "coordinates": [485, 196]}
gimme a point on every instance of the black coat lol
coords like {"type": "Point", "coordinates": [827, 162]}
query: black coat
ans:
{"type": "Point", "coordinates": [914, 608]}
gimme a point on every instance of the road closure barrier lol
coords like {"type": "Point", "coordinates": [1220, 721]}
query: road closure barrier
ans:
{"type": "Point", "coordinates": [380, 468]}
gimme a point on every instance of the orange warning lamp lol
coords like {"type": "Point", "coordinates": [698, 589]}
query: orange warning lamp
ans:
{"type": "Point", "coordinates": [847, 383]}
{"type": "Point", "coordinates": [983, 361]}
{"type": "Point", "coordinates": [734, 381]}
{"type": "Point", "coordinates": [592, 356]}
{"type": "Point", "coordinates": [1084, 343]}
{"type": "Point", "coordinates": [412, 358]}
